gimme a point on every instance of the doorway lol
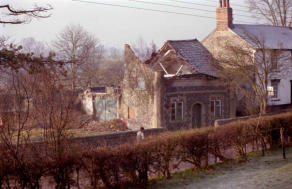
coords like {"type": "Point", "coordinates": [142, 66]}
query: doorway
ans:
{"type": "Point", "coordinates": [197, 115]}
{"type": "Point", "coordinates": [290, 91]}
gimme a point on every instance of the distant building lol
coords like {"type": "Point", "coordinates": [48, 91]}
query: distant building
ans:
{"type": "Point", "coordinates": [102, 103]}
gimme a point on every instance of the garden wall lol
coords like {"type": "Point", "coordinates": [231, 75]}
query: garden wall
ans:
{"type": "Point", "coordinates": [113, 139]}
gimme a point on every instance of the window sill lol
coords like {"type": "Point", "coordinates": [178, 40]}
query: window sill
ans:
{"type": "Point", "coordinates": [276, 71]}
{"type": "Point", "coordinates": [176, 121]}
{"type": "Point", "coordinates": [275, 100]}
{"type": "Point", "coordinates": [140, 89]}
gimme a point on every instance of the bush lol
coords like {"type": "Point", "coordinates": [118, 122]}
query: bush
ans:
{"type": "Point", "coordinates": [132, 164]}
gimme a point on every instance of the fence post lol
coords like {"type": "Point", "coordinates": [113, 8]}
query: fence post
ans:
{"type": "Point", "coordinates": [283, 142]}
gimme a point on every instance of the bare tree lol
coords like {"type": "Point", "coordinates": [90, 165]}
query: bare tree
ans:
{"type": "Point", "coordinates": [143, 50]}
{"type": "Point", "coordinates": [34, 100]}
{"type": "Point", "coordinates": [77, 47]}
{"type": "Point", "coordinates": [108, 71]}
{"type": "Point", "coordinates": [38, 48]}
{"type": "Point", "coordinates": [249, 69]}
{"type": "Point", "coordinates": [275, 12]}
{"type": "Point", "coordinates": [20, 16]}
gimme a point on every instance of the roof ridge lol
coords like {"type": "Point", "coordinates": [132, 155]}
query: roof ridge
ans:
{"type": "Point", "coordinates": [183, 40]}
{"type": "Point", "coordinates": [265, 25]}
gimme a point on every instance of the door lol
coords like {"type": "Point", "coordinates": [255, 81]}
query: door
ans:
{"type": "Point", "coordinates": [100, 106]}
{"type": "Point", "coordinates": [290, 91]}
{"type": "Point", "coordinates": [106, 109]}
{"type": "Point", "coordinates": [111, 109]}
{"type": "Point", "coordinates": [197, 116]}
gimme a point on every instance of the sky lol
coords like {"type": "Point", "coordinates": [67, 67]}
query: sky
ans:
{"type": "Point", "coordinates": [115, 26]}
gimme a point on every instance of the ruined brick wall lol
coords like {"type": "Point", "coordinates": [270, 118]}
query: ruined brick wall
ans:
{"type": "Point", "coordinates": [139, 94]}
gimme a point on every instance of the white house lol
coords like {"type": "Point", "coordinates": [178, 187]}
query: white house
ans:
{"type": "Point", "coordinates": [278, 39]}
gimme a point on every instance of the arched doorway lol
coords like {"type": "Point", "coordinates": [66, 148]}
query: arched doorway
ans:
{"type": "Point", "coordinates": [197, 115]}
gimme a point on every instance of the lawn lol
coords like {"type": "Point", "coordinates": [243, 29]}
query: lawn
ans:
{"type": "Point", "coordinates": [270, 171]}
{"type": "Point", "coordinates": [37, 134]}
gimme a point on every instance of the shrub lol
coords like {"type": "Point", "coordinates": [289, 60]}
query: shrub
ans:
{"type": "Point", "coordinates": [194, 146]}
{"type": "Point", "coordinates": [132, 164]}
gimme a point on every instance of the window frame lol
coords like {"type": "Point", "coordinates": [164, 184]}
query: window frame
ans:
{"type": "Point", "coordinates": [139, 81]}
{"type": "Point", "coordinates": [275, 85]}
{"type": "Point", "coordinates": [174, 111]}
{"type": "Point", "coordinates": [213, 107]}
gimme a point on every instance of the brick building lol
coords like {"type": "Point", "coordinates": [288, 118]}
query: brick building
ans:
{"type": "Point", "coordinates": [179, 87]}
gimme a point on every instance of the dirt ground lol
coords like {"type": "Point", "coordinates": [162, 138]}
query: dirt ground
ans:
{"type": "Point", "coordinates": [269, 172]}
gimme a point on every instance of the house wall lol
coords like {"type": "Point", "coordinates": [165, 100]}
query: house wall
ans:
{"type": "Point", "coordinates": [193, 91]}
{"type": "Point", "coordinates": [216, 43]}
{"type": "Point", "coordinates": [87, 104]}
{"type": "Point", "coordinates": [285, 75]}
{"type": "Point", "coordinates": [140, 107]}
{"type": "Point", "coordinates": [151, 107]}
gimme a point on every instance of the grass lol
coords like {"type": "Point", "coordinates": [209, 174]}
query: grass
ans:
{"type": "Point", "coordinates": [188, 176]}
{"type": "Point", "coordinates": [37, 133]}
{"type": "Point", "coordinates": [270, 171]}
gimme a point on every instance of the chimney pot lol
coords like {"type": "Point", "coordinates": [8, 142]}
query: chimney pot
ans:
{"type": "Point", "coordinates": [224, 16]}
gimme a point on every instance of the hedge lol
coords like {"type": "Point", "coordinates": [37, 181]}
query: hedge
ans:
{"type": "Point", "coordinates": [132, 164]}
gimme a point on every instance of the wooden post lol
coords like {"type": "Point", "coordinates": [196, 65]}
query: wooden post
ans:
{"type": "Point", "coordinates": [283, 142]}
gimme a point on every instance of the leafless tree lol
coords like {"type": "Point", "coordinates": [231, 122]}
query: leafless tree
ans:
{"type": "Point", "coordinates": [249, 69]}
{"type": "Point", "coordinates": [275, 12]}
{"type": "Point", "coordinates": [77, 47]}
{"type": "Point", "coordinates": [38, 48]}
{"type": "Point", "coordinates": [20, 16]}
{"type": "Point", "coordinates": [3, 41]}
{"type": "Point", "coordinates": [144, 50]}
{"type": "Point", "coordinates": [108, 71]}
{"type": "Point", "coordinates": [35, 106]}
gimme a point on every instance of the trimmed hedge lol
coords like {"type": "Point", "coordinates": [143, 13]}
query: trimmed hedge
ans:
{"type": "Point", "coordinates": [132, 164]}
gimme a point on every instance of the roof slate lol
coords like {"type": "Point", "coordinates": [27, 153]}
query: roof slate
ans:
{"type": "Point", "coordinates": [196, 55]}
{"type": "Point", "coordinates": [275, 37]}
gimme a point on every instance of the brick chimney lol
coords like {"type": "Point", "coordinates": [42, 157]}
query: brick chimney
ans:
{"type": "Point", "coordinates": [224, 15]}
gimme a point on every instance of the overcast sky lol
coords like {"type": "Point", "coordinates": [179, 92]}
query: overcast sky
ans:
{"type": "Point", "coordinates": [116, 26]}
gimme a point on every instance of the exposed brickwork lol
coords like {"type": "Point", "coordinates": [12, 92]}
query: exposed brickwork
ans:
{"type": "Point", "coordinates": [224, 18]}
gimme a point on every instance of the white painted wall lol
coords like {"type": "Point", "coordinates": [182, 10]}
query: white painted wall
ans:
{"type": "Point", "coordinates": [285, 76]}
{"type": "Point", "coordinates": [87, 105]}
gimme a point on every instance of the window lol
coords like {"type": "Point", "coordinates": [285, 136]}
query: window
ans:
{"type": "Point", "coordinates": [275, 60]}
{"type": "Point", "coordinates": [141, 83]}
{"type": "Point", "coordinates": [275, 84]}
{"type": "Point", "coordinates": [177, 111]}
{"type": "Point", "coordinates": [216, 108]}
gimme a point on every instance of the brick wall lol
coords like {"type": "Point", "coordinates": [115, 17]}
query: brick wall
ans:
{"type": "Point", "coordinates": [224, 18]}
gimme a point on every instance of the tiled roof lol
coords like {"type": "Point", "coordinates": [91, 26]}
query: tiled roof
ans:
{"type": "Point", "coordinates": [274, 37]}
{"type": "Point", "coordinates": [196, 55]}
